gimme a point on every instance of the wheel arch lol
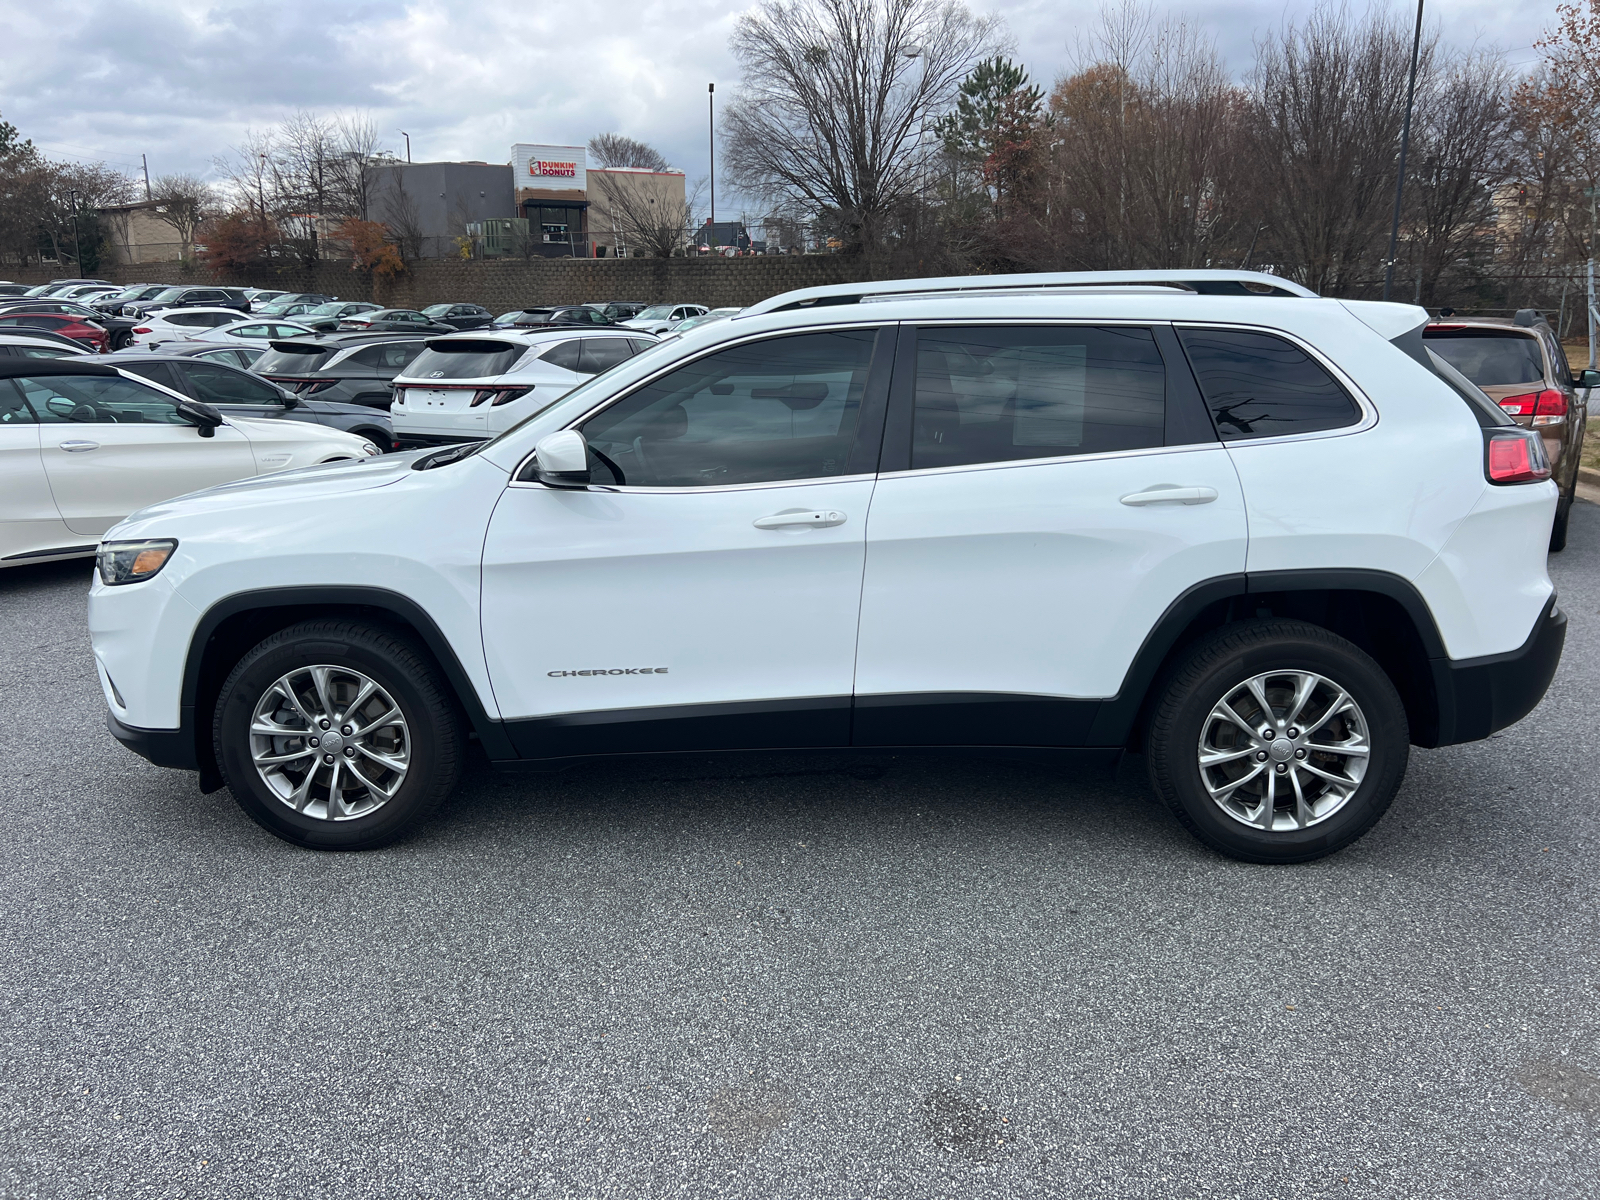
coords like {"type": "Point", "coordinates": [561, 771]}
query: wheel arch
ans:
{"type": "Point", "coordinates": [233, 625]}
{"type": "Point", "coordinates": [1379, 612]}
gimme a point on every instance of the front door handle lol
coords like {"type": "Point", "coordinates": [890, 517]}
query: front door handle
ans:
{"type": "Point", "coordinates": [819, 519]}
{"type": "Point", "coordinates": [77, 447]}
{"type": "Point", "coordinates": [1167, 493]}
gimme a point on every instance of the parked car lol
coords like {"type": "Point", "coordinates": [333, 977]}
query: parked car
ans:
{"type": "Point", "coordinates": [1520, 365]}
{"type": "Point", "coordinates": [83, 444]}
{"type": "Point", "coordinates": [36, 343]}
{"type": "Point", "coordinates": [716, 314]}
{"type": "Point", "coordinates": [119, 330]}
{"type": "Point", "coordinates": [1190, 519]}
{"type": "Point", "coordinates": [13, 289]}
{"type": "Point", "coordinates": [564, 314]}
{"type": "Point", "coordinates": [192, 297]}
{"type": "Point", "coordinates": [114, 303]}
{"type": "Point", "coordinates": [261, 297]}
{"type": "Point", "coordinates": [352, 368]}
{"type": "Point", "coordinates": [327, 316]}
{"type": "Point", "coordinates": [234, 356]}
{"type": "Point", "coordinates": [659, 318]}
{"type": "Point", "coordinates": [254, 329]}
{"type": "Point", "coordinates": [393, 320]}
{"type": "Point", "coordinates": [87, 293]}
{"type": "Point", "coordinates": [236, 392]}
{"type": "Point", "coordinates": [473, 385]}
{"type": "Point", "coordinates": [58, 285]}
{"type": "Point", "coordinates": [78, 328]}
{"type": "Point", "coordinates": [618, 310]}
{"type": "Point", "coordinates": [177, 324]}
{"type": "Point", "coordinates": [459, 316]}
{"type": "Point", "coordinates": [279, 307]}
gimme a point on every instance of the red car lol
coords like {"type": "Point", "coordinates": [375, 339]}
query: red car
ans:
{"type": "Point", "coordinates": [76, 328]}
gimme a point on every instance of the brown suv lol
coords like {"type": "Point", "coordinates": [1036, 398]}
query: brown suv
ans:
{"type": "Point", "coordinates": [1522, 367]}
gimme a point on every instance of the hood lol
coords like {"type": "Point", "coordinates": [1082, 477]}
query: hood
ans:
{"type": "Point", "coordinates": [267, 429]}
{"type": "Point", "coordinates": [304, 483]}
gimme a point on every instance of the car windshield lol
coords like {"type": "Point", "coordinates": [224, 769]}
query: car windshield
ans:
{"type": "Point", "coordinates": [1490, 358]}
{"type": "Point", "coordinates": [655, 312]}
{"type": "Point", "coordinates": [330, 309]}
{"type": "Point", "coordinates": [467, 359]}
{"type": "Point", "coordinates": [436, 310]}
{"type": "Point", "coordinates": [172, 293]}
{"type": "Point", "coordinates": [292, 360]}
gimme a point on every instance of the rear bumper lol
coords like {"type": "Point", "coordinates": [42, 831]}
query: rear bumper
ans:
{"type": "Point", "coordinates": [1478, 696]}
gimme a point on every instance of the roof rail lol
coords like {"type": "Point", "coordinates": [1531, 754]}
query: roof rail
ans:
{"type": "Point", "coordinates": [1205, 283]}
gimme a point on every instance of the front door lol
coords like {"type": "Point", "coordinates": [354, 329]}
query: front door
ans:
{"type": "Point", "coordinates": [29, 522]}
{"type": "Point", "coordinates": [111, 446]}
{"type": "Point", "coordinates": [1057, 488]}
{"type": "Point", "coordinates": [704, 594]}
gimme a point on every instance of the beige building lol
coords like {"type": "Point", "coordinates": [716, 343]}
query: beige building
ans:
{"type": "Point", "coordinates": [633, 211]}
{"type": "Point", "coordinates": [137, 235]}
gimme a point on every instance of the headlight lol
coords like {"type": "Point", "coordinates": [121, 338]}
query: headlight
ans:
{"type": "Point", "coordinates": [132, 562]}
{"type": "Point", "coordinates": [370, 450]}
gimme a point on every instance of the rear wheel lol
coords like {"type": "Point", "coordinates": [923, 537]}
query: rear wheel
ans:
{"type": "Point", "coordinates": [337, 736]}
{"type": "Point", "coordinates": [1278, 742]}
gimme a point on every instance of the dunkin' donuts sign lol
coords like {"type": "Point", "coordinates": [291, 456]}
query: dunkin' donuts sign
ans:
{"type": "Point", "coordinates": [546, 168]}
{"type": "Point", "coordinates": [565, 170]}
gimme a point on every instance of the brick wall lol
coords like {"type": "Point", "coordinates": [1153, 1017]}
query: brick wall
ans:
{"type": "Point", "coordinates": [501, 285]}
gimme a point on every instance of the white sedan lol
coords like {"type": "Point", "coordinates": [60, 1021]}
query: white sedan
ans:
{"type": "Point", "coordinates": [254, 330]}
{"type": "Point", "coordinates": [83, 444]}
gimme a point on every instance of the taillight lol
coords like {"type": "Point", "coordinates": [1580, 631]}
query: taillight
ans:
{"type": "Point", "coordinates": [142, 329]}
{"type": "Point", "coordinates": [1520, 406]}
{"type": "Point", "coordinates": [1550, 408]}
{"type": "Point", "coordinates": [498, 396]}
{"type": "Point", "coordinates": [1515, 456]}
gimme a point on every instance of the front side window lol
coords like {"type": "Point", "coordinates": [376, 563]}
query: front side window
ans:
{"type": "Point", "coordinates": [1002, 393]}
{"type": "Point", "coordinates": [1258, 385]}
{"type": "Point", "coordinates": [762, 412]}
{"type": "Point", "coordinates": [219, 385]}
{"type": "Point", "coordinates": [96, 400]}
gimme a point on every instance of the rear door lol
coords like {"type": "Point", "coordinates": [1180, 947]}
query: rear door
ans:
{"type": "Point", "coordinates": [1048, 491]}
{"type": "Point", "coordinates": [112, 446]}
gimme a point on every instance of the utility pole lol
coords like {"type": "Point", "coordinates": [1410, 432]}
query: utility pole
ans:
{"type": "Point", "coordinates": [77, 243]}
{"type": "Point", "coordinates": [1405, 141]}
{"type": "Point", "coordinates": [407, 137]}
{"type": "Point", "coordinates": [145, 161]}
{"type": "Point", "coordinates": [1593, 316]}
{"type": "Point", "coordinates": [711, 141]}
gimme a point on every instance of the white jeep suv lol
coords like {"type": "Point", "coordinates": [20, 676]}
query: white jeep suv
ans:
{"type": "Point", "coordinates": [1264, 538]}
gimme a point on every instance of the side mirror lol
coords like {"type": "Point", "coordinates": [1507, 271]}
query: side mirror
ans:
{"type": "Point", "coordinates": [562, 460]}
{"type": "Point", "coordinates": [290, 400]}
{"type": "Point", "coordinates": [202, 416]}
{"type": "Point", "coordinates": [1587, 379]}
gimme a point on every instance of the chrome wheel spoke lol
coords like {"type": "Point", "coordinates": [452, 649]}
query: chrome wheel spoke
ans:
{"type": "Point", "coordinates": [1356, 748]}
{"type": "Point", "coordinates": [368, 765]}
{"type": "Point", "coordinates": [1302, 693]}
{"type": "Point", "coordinates": [1217, 757]}
{"type": "Point", "coordinates": [1343, 781]}
{"type": "Point", "coordinates": [1340, 703]}
{"type": "Point", "coordinates": [1219, 794]}
{"type": "Point", "coordinates": [1225, 710]}
{"type": "Point", "coordinates": [1269, 802]}
{"type": "Point", "coordinates": [1303, 813]}
{"type": "Point", "coordinates": [1259, 694]}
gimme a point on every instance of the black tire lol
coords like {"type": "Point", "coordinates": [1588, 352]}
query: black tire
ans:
{"type": "Point", "coordinates": [121, 339]}
{"type": "Point", "coordinates": [433, 729]}
{"type": "Point", "coordinates": [1212, 671]}
{"type": "Point", "coordinates": [1558, 531]}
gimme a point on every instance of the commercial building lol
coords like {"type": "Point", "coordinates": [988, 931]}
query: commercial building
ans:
{"type": "Point", "coordinates": [429, 205]}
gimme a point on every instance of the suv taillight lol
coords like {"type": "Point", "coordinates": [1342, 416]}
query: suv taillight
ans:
{"type": "Point", "coordinates": [316, 385]}
{"type": "Point", "coordinates": [1550, 408]}
{"type": "Point", "coordinates": [1514, 456]}
{"type": "Point", "coordinates": [498, 396]}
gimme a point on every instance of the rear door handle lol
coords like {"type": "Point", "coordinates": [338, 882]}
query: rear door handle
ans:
{"type": "Point", "coordinates": [820, 519]}
{"type": "Point", "coordinates": [76, 447]}
{"type": "Point", "coordinates": [1166, 493]}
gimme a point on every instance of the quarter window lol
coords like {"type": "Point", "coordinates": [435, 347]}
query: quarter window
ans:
{"type": "Point", "coordinates": [785, 408]}
{"type": "Point", "coordinates": [1258, 385]}
{"type": "Point", "coordinates": [1001, 393]}
{"type": "Point", "coordinates": [601, 354]}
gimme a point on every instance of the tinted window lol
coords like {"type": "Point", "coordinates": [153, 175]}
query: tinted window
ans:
{"type": "Point", "coordinates": [1489, 359]}
{"type": "Point", "coordinates": [218, 385]}
{"type": "Point", "coordinates": [156, 372]}
{"type": "Point", "coordinates": [995, 394]}
{"type": "Point", "coordinates": [43, 352]}
{"type": "Point", "coordinates": [14, 409]}
{"type": "Point", "coordinates": [1258, 385]}
{"type": "Point", "coordinates": [563, 355]}
{"type": "Point", "coordinates": [601, 354]}
{"type": "Point", "coordinates": [194, 319]}
{"type": "Point", "coordinates": [463, 360]}
{"type": "Point", "coordinates": [97, 399]}
{"type": "Point", "coordinates": [36, 321]}
{"type": "Point", "coordinates": [234, 358]}
{"type": "Point", "coordinates": [785, 408]}
{"type": "Point", "coordinates": [387, 356]}
{"type": "Point", "coordinates": [291, 362]}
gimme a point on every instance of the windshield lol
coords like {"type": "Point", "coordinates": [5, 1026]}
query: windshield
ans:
{"type": "Point", "coordinates": [466, 359]}
{"type": "Point", "coordinates": [1489, 359]}
{"type": "Point", "coordinates": [655, 312]}
{"type": "Point", "coordinates": [330, 309]}
{"type": "Point", "coordinates": [292, 360]}
{"type": "Point", "coordinates": [436, 310]}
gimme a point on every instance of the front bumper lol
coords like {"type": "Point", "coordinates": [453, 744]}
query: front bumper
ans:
{"type": "Point", "coordinates": [163, 747]}
{"type": "Point", "coordinates": [1478, 696]}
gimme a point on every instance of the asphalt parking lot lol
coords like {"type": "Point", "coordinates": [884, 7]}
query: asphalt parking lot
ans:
{"type": "Point", "coordinates": [781, 976]}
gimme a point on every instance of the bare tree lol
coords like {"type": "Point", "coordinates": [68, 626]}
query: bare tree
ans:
{"type": "Point", "coordinates": [1327, 100]}
{"type": "Point", "coordinates": [615, 150]}
{"type": "Point", "coordinates": [182, 202]}
{"type": "Point", "coordinates": [648, 215]}
{"type": "Point", "coordinates": [833, 103]}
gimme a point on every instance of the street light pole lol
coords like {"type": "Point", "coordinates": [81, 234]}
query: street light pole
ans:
{"type": "Point", "coordinates": [407, 137]}
{"type": "Point", "coordinates": [1405, 141]}
{"type": "Point", "coordinates": [711, 142]}
{"type": "Point", "coordinates": [1592, 313]}
{"type": "Point", "coordinates": [77, 243]}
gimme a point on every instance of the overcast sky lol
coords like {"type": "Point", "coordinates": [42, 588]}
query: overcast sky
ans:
{"type": "Point", "coordinates": [183, 80]}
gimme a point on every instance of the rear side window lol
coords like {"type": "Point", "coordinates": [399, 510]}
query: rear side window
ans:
{"type": "Point", "coordinates": [997, 394]}
{"type": "Point", "coordinates": [463, 360]}
{"type": "Point", "coordinates": [1258, 385]}
{"type": "Point", "coordinates": [1490, 358]}
{"type": "Point", "coordinates": [563, 355]}
{"type": "Point", "coordinates": [601, 354]}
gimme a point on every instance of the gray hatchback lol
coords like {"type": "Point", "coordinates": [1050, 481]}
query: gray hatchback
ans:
{"type": "Point", "coordinates": [236, 392]}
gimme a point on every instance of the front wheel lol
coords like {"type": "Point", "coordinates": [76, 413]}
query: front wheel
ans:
{"type": "Point", "coordinates": [337, 736]}
{"type": "Point", "coordinates": [1278, 742]}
